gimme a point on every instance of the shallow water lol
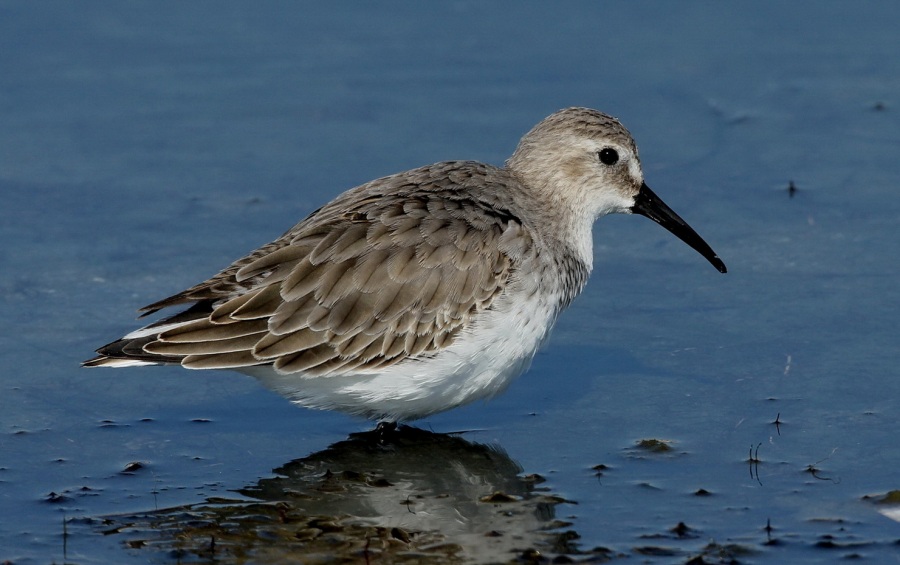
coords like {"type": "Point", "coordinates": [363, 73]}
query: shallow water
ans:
{"type": "Point", "coordinates": [145, 146]}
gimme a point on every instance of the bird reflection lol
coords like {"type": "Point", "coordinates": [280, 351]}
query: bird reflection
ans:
{"type": "Point", "coordinates": [373, 497]}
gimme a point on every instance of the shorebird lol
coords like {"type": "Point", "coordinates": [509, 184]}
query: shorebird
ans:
{"type": "Point", "coordinates": [420, 291]}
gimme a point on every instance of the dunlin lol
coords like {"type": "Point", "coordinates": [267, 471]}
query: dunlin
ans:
{"type": "Point", "coordinates": [416, 292]}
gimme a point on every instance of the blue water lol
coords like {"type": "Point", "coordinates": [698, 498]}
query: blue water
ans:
{"type": "Point", "coordinates": [145, 145]}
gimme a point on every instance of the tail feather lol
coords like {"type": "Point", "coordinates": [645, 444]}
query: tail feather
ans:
{"type": "Point", "coordinates": [129, 350]}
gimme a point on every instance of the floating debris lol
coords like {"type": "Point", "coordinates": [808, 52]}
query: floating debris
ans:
{"type": "Point", "coordinates": [132, 467]}
{"type": "Point", "coordinates": [655, 445]}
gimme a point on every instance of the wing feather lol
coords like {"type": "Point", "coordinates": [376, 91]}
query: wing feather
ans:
{"type": "Point", "coordinates": [233, 360]}
{"type": "Point", "coordinates": [263, 304]}
{"type": "Point", "coordinates": [390, 271]}
{"type": "Point", "coordinates": [207, 347]}
{"type": "Point", "coordinates": [205, 330]}
{"type": "Point", "coordinates": [273, 346]}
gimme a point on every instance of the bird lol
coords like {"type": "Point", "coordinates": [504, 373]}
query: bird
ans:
{"type": "Point", "coordinates": [420, 291]}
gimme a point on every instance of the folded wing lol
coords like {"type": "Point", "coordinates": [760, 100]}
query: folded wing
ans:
{"type": "Point", "coordinates": [381, 281]}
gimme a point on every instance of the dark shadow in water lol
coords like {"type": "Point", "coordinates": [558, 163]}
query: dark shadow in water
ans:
{"type": "Point", "coordinates": [410, 496]}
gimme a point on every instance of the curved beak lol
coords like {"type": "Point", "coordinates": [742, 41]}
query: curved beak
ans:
{"type": "Point", "coordinates": [648, 204]}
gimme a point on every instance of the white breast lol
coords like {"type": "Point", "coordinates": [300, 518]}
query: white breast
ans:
{"type": "Point", "coordinates": [480, 363]}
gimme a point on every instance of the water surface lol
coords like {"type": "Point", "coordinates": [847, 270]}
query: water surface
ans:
{"type": "Point", "coordinates": [144, 146]}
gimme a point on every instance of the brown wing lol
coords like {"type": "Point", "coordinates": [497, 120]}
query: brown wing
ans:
{"type": "Point", "coordinates": [388, 278]}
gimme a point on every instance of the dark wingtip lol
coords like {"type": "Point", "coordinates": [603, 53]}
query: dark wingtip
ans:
{"type": "Point", "coordinates": [94, 361]}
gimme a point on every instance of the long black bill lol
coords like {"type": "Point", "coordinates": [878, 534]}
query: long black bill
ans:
{"type": "Point", "coordinates": [648, 204]}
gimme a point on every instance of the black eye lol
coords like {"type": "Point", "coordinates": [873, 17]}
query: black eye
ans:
{"type": "Point", "coordinates": [608, 156]}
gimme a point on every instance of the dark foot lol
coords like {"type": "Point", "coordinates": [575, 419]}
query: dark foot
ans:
{"type": "Point", "coordinates": [384, 431]}
{"type": "Point", "coordinates": [389, 433]}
